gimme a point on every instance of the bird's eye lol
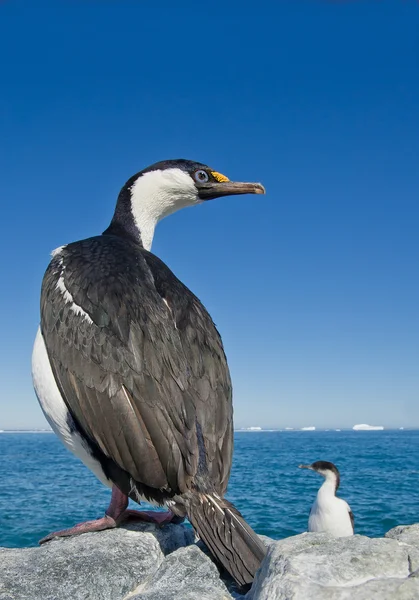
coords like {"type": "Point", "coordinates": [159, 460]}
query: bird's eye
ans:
{"type": "Point", "coordinates": [201, 176]}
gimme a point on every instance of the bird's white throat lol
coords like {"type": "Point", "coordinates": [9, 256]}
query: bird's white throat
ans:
{"type": "Point", "coordinates": [329, 486]}
{"type": "Point", "coordinates": [156, 195]}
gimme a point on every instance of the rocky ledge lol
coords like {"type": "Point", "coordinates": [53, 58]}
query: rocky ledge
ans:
{"type": "Point", "coordinates": [143, 562]}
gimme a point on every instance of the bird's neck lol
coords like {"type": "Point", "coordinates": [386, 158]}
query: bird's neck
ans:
{"type": "Point", "coordinates": [328, 489]}
{"type": "Point", "coordinates": [142, 203]}
{"type": "Point", "coordinates": [136, 221]}
{"type": "Point", "coordinates": [123, 223]}
{"type": "Point", "coordinates": [155, 196]}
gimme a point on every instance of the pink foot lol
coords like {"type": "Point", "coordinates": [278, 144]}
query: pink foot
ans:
{"type": "Point", "coordinates": [112, 518]}
{"type": "Point", "coordinates": [117, 513]}
{"type": "Point", "coordinates": [86, 527]}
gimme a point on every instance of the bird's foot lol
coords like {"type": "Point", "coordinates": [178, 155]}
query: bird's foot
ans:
{"type": "Point", "coordinates": [152, 516]}
{"type": "Point", "coordinates": [105, 522]}
{"type": "Point", "coordinates": [116, 514]}
{"type": "Point", "coordinates": [112, 518]}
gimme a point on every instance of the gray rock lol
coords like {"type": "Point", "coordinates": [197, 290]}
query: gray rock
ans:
{"type": "Point", "coordinates": [389, 589]}
{"type": "Point", "coordinates": [94, 566]}
{"type": "Point", "coordinates": [187, 574]}
{"type": "Point", "coordinates": [409, 534]}
{"type": "Point", "coordinates": [319, 567]}
{"type": "Point", "coordinates": [169, 537]}
{"type": "Point", "coordinates": [267, 540]}
{"type": "Point", "coordinates": [145, 562]}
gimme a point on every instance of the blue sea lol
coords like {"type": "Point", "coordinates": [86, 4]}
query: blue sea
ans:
{"type": "Point", "coordinates": [44, 488]}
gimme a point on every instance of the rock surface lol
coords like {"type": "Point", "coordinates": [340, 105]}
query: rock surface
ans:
{"type": "Point", "coordinates": [187, 574]}
{"type": "Point", "coordinates": [144, 562]}
{"type": "Point", "coordinates": [317, 566]}
{"type": "Point", "coordinates": [96, 566]}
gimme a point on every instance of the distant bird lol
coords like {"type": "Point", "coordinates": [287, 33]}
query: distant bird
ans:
{"type": "Point", "coordinates": [329, 513]}
{"type": "Point", "coordinates": [131, 374]}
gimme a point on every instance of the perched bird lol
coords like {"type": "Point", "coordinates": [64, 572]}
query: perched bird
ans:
{"type": "Point", "coordinates": [329, 513]}
{"type": "Point", "coordinates": [131, 374]}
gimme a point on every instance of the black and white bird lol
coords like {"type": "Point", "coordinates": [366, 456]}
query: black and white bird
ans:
{"type": "Point", "coordinates": [329, 513]}
{"type": "Point", "coordinates": [131, 374]}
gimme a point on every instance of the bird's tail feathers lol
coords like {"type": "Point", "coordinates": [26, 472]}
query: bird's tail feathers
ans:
{"type": "Point", "coordinates": [227, 535]}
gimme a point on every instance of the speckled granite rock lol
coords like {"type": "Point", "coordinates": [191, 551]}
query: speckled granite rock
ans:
{"type": "Point", "coordinates": [409, 534]}
{"type": "Point", "coordinates": [320, 567]}
{"type": "Point", "coordinates": [169, 537]}
{"type": "Point", "coordinates": [79, 569]}
{"type": "Point", "coordinates": [144, 562]}
{"type": "Point", "coordinates": [94, 566]}
{"type": "Point", "coordinates": [187, 574]}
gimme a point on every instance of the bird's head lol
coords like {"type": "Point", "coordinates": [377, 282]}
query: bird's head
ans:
{"type": "Point", "coordinates": [179, 183]}
{"type": "Point", "coordinates": [329, 471]}
{"type": "Point", "coordinates": [167, 186]}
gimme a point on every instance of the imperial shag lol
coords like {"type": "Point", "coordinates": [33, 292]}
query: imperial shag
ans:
{"type": "Point", "coordinates": [131, 374]}
{"type": "Point", "coordinates": [329, 513]}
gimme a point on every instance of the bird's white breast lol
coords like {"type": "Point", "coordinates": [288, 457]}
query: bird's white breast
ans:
{"type": "Point", "coordinates": [331, 515]}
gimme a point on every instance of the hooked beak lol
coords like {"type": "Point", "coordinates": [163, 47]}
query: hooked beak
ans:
{"type": "Point", "coordinates": [211, 190]}
{"type": "Point", "coordinates": [305, 467]}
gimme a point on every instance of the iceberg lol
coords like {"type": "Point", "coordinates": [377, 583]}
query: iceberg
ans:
{"type": "Point", "coordinates": [308, 428]}
{"type": "Point", "coordinates": [365, 427]}
{"type": "Point", "coordinates": [250, 429]}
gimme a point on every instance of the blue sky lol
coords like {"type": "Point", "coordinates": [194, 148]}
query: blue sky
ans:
{"type": "Point", "coordinates": [314, 286]}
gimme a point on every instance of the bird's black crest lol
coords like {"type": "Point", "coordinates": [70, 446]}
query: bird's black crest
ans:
{"type": "Point", "coordinates": [178, 163]}
{"type": "Point", "coordinates": [189, 166]}
{"type": "Point", "coordinates": [324, 465]}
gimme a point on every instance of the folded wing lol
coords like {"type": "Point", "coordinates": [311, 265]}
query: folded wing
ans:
{"type": "Point", "coordinates": [139, 363]}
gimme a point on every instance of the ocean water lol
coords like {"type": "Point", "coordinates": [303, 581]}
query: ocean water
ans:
{"type": "Point", "coordinates": [44, 488]}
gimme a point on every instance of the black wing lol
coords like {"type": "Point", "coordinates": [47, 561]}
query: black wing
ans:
{"type": "Point", "coordinates": [139, 362]}
{"type": "Point", "coordinates": [351, 516]}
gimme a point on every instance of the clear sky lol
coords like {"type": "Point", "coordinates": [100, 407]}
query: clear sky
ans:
{"type": "Point", "coordinates": [314, 287]}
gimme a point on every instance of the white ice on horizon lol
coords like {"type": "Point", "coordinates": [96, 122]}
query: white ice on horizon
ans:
{"type": "Point", "coordinates": [365, 427]}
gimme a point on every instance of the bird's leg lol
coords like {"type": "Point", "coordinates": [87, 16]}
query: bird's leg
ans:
{"type": "Point", "coordinates": [113, 517]}
{"type": "Point", "coordinates": [116, 514]}
{"type": "Point", "coordinates": [118, 510]}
